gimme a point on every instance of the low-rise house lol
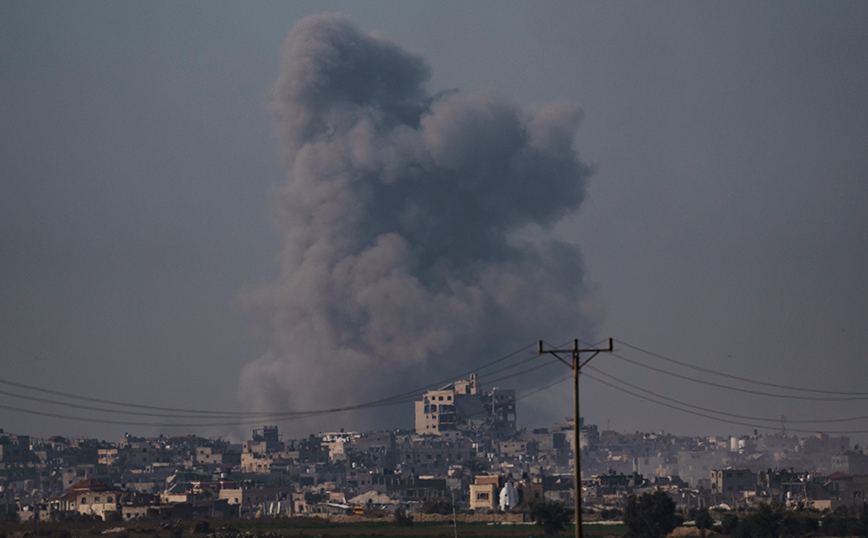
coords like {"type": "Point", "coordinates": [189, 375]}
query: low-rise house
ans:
{"type": "Point", "coordinates": [258, 499]}
{"type": "Point", "coordinates": [484, 492]}
{"type": "Point", "coordinates": [90, 496]}
{"type": "Point", "coordinates": [846, 490]}
{"type": "Point", "coordinates": [78, 473]}
{"type": "Point", "coordinates": [483, 496]}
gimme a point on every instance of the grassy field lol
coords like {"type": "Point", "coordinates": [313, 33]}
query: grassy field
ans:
{"type": "Point", "coordinates": [274, 528]}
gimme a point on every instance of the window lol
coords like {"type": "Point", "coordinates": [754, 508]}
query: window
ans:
{"type": "Point", "coordinates": [482, 496]}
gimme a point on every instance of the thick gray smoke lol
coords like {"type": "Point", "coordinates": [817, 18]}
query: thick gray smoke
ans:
{"type": "Point", "coordinates": [402, 213]}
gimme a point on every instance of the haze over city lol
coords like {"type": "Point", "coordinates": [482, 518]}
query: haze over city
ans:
{"type": "Point", "coordinates": [279, 208]}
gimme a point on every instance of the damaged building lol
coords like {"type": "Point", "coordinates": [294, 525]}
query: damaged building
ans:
{"type": "Point", "coordinates": [463, 406]}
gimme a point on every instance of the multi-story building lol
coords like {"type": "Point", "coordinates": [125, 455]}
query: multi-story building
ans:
{"type": "Point", "coordinates": [14, 448]}
{"type": "Point", "coordinates": [463, 406]}
{"type": "Point", "coordinates": [851, 462]}
{"type": "Point", "coordinates": [733, 481]}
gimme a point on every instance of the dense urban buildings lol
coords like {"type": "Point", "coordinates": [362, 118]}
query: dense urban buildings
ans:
{"type": "Point", "coordinates": [465, 447]}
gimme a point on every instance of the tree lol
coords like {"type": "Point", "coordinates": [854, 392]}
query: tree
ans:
{"type": "Point", "coordinates": [728, 524]}
{"type": "Point", "coordinates": [552, 516]}
{"type": "Point", "coordinates": [703, 519]}
{"type": "Point", "coordinates": [797, 524]}
{"type": "Point", "coordinates": [764, 523]}
{"type": "Point", "coordinates": [651, 515]}
{"type": "Point", "coordinates": [474, 467]}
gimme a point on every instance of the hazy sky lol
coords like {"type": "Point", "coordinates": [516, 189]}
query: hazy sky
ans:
{"type": "Point", "coordinates": [149, 230]}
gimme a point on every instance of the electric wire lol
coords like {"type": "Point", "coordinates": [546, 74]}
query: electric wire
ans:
{"type": "Point", "coordinates": [235, 418]}
{"type": "Point", "coordinates": [229, 418]}
{"type": "Point", "coordinates": [719, 419]}
{"type": "Point", "coordinates": [732, 415]}
{"type": "Point", "coordinates": [189, 413]}
{"type": "Point", "coordinates": [138, 423]}
{"type": "Point", "coordinates": [706, 409]}
{"type": "Point", "coordinates": [739, 389]}
{"type": "Point", "coordinates": [738, 378]}
{"type": "Point", "coordinates": [550, 385]}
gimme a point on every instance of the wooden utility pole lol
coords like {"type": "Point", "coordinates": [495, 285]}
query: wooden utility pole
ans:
{"type": "Point", "coordinates": [576, 365]}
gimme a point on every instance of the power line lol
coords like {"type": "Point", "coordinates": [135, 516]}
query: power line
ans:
{"type": "Point", "coordinates": [706, 409]}
{"type": "Point", "coordinates": [223, 414]}
{"type": "Point", "coordinates": [550, 385]}
{"type": "Point", "coordinates": [738, 378]}
{"type": "Point", "coordinates": [208, 418]}
{"type": "Point", "coordinates": [234, 418]}
{"type": "Point", "coordinates": [137, 423]}
{"type": "Point", "coordinates": [739, 389]}
{"type": "Point", "coordinates": [719, 419]}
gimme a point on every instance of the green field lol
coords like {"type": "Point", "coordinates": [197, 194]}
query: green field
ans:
{"type": "Point", "coordinates": [273, 528]}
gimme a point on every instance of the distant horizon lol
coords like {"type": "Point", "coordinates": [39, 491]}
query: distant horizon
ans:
{"type": "Point", "coordinates": [284, 208]}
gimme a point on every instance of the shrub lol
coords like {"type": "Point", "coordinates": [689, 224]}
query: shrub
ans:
{"type": "Point", "coordinates": [797, 524]}
{"type": "Point", "coordinates": [402, 519]}
{"type": "Point", "coordinates": [836, 525]}
{"type": "Point", "coordinates": [552, 516]}
{"type": "Point", "coordinates": [728, 524]}
{"type": "Point", "coordinates": [437, 505]}
{"type": "Point", "coordinates": [702, 519]}
{"type": "Point", "coordinates": [610, 513]}
{"type": "Point", "coordinates": [764, 523]}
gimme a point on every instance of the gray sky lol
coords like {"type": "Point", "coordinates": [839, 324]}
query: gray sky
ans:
{"type": "Point", "coordinates": [723, 225]}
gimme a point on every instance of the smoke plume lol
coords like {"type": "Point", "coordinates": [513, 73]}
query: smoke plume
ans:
{"type": "Point", "coordinates": [401, 222]}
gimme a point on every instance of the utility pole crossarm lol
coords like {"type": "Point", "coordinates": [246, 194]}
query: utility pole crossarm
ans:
{"type": "Point", "coordinates": [576, 366]}
{"type": "Point", "coordinates": [575, 348]}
